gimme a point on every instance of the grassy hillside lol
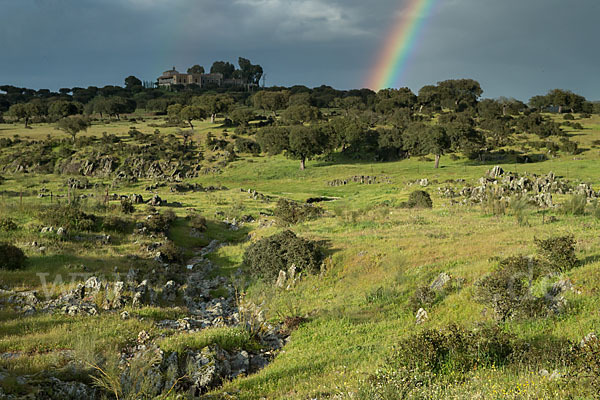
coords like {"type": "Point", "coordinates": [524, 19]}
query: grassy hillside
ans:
{"type": "Point", "coordinates": [358, 309]}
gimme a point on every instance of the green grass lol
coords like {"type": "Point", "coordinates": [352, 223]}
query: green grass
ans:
{"type": "Point", "coordinates": [358, 308]}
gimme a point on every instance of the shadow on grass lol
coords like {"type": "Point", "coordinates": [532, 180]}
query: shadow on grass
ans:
{"type": "Point", "coordinates": [590, 260]}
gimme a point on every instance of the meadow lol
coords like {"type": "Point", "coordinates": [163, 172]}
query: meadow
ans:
{"type": "Point", "coordinates": [354, 312]}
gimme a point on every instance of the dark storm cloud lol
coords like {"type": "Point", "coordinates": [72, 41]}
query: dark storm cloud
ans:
{"type": "Point", "coordinates": [514, 47]}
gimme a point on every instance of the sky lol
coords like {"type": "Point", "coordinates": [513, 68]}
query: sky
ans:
{"type": "Point", "coordinates": [514, 48]}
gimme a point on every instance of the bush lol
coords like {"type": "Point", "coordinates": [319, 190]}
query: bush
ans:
{"type": "Point", "coordinates": [558, 251]}
{"type": "Point", "coordinates": [445, 355]}
{"type": "Point", "coordinates": [247, 146]}
{"type": "Point", "coordinates": [568, 146]}
{"type": "Point", "coordinates": [11, 257]}
{"type": "Point", "coordinates": [159, 223]}
{"type": "Point", "coordinates": [170, 253]}
{"type": "Point", "coordinates": [7, 224]}
{"type": "Point", "coordinates": [198, 222]}
{"type": "Point", "coordinates": [586, 363]}
{"type": "Point", "coordinates": [419, 199]}
{"type": "Point", "coordinates": [115, 224]}
{"type": "Point", "coordinates": [569, 117]}
{"type": "Point", "coordinates": [69, 217]}
{"type": "Point", "coordinates": [424, 296]}
{"type": "Point", "coordinates": [127, 206]}
{"type": "Point", "coordinates": [508, 288]}
{"type": "Point", "coordinates": [291, 212]}
{"type": "Point", "coordinates": [270, 255]}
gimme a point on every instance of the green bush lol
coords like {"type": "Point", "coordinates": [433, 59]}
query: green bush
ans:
{"type": "Point", "coordinates": [160, 223]}
{"type": "Point", "coordinates": [170, 252]}
{"type": "Point", "coordinates": [247, 146]}
{"type": "Point", "coordinates": [8, 224]}
{"type": "Point", "coordinates": [586, 363]}
{"type": "Point", "coordinates": [11, 257]}
{"type": "Point", "coordinates": [508, 288]}
{"type": "Point", "coordinates": [569, 117]}
{"type": "Point", "coordinates": [127, 206]}
{"type": "Point", "coordinates": [272, 254]}
{"type": "Point", "coordinates": [69, 217]}
{"type": "Point", "coordinates": [198, 222]}
{"type": "Point", "coordinates": [558, 251]}
{"type": "Point", "coordinates": [419, 199]}
{"type": "Point", "coordinates": [568, 146]}
{"type": "Point", "coordinates": [291, 212]}
{"type": "Point", "coordinates": [424, 296]}
{"type": "Point", "coordinates": [427, 360]}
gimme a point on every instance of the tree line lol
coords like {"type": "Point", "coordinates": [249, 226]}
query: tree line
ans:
{"type": "Point", "coordinates": [439, 119]}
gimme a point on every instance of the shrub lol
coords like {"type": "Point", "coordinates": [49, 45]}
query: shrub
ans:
{"type": "Point", "coordinates": [247, 146]}
{"type": "Point", "coordinates": [568, 146]}
{"type": "Point", "coordinates": [11, 257]}
{"type": "Point", "coordinates": [272, 254]}
{"type": "Point", "coordinates": [198, 222]}
{"type": "Point", "coordinates": [508, 288]}
{"type": "Point", "coordinates": [558, 251]}
{"type": "Point", "coordinates": [160, 223]}
{"type": "Point", "coordinates": [586, 362]}
{"type": "Point", "coordinates": [170, 253]}
{"type": "Point", "coordinates": [69, 217]}
{"type": "Point", "coordinates": [569, 117]}
{"type": "Point", "coordinates": [127, 206]}
{"type": "Point", "coordinates": [424, 296]}
{"type": "Point", "coordinates": [7, 224]}
{"type": "Point", "coordinates": [419, 199]}
{"type": "Point", "coordinates": [115, 224]}
{"type": "Point", "coordinates": [575, 205]}
{"type": "Point", "coordinates": [291, 212]}
{"type": "Point", "coordinates": [451, 353]}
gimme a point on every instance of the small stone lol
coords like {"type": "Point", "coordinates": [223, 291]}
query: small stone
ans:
{"type": "Point", "coordinates": [125, 315]}
{"type": "Point", "coordinates": [143, 337]}
{"type": "Point", "coordinates": [281, 279]}
{"type": "Point", "coordinates": [440, 282]}
{"type": "Point", "coordinates": [421, 316]}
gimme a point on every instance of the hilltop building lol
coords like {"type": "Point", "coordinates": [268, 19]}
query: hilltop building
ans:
{"type": "Point", "coordinates": [173, 77]}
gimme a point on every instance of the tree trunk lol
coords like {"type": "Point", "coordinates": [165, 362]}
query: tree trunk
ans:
{"type": "Point", "coordinates": [560, 109]}
{"type": "Point", "coordinates": [302, 163]}
{"type": "Point", "coordinates": [212, 118]}
{"type": "Point", "coordinates": [421, 108]}
{"type": "Point", "coordinates": [437, 161]}
{"type": "Point", "coordinates": [191, 126]}
{"type": "Point", "coordinates": [26, 122]}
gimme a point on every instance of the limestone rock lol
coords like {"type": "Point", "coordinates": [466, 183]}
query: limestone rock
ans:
{"type": "Point", "coordinates": [421, 316]}
{"type": "Point", "coordinates": [441, 282]}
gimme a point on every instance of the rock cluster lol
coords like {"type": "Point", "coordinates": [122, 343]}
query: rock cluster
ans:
{"type": "Point", "coordinates": [195, 187]}
{"type": "Point", "coordinates": [502, 185]}
{"type": "Point", "coordinates": [254, 195]}
{"type": "Point", "coordinates": [362, 179]}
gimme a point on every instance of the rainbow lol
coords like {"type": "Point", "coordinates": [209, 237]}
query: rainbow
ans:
{"type": "Point", "coordinates": [400, 43]}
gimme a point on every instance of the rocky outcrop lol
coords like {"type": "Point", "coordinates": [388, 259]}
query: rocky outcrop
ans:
{"type": "Point", "coordinates": [502, 185]}
{"type": "Point", "coordinates": [361, 179]}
